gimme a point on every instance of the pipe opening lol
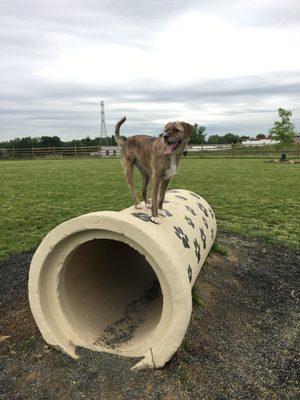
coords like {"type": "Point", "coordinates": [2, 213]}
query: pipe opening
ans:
{"type": "Point", "coordinates": [110, 296]}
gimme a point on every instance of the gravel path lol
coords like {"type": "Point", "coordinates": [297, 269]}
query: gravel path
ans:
{"type": "Point", "coordinates": [241, 343]}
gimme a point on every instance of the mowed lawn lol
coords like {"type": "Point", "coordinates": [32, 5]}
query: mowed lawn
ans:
{"type": "Point", "coordinates": [251, 197]}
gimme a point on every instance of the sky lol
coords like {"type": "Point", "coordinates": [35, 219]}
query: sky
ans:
{"type": "Point", "coordinates": [225, 64]}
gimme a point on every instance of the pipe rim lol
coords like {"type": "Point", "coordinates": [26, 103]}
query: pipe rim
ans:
{"type": "Point", "coordinates": [175, 300]}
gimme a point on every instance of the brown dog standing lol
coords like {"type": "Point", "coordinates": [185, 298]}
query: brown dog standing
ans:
{"type": "Point", "coordinates": [157, 158]}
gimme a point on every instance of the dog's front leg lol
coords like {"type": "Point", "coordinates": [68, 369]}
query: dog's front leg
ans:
{"type": "Point", "coordinates": [162, 192]}
{"type": "Point", "coordinates": [154, 207]}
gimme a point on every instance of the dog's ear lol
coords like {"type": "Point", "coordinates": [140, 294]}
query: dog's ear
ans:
{"type": "Point", "coordinates": [188, 128]}
{"type": "Point", "coordinates": [167, 126]}
{"type": "Point", "coordinates": [179, 126]}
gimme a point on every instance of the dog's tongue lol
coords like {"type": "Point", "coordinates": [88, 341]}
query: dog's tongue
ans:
{"type": "Point", "coordinates": [169, 148]}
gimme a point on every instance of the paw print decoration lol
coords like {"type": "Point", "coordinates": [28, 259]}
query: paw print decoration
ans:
{"type": "Point", "coordinates": [180, 197]}
{"type": "Point", "coordinates": [211, 213]}
{"type": "Point", "coordinates": [144, 217]}
{"type": "Point", "coordinates": [205, 222]}
{"type": "Point", "coordinates": [195, 195]}
{"type": "Point", "coordinates": [167, 213]}
{"type": "Point", "coordinates": [190, 273]}
{"type": "Point", "coordinates": [203, 237]}
{"type": "Point", "coordinates": [190, 210]}
{"type": "Point", "coordinates": [202, 208]}
{"type": "Point", "coordinates": [189, 221]}
{"type": "Point", "coordinates": [182, 236]}
{"type": "Point", "coordinates": [197, 250]}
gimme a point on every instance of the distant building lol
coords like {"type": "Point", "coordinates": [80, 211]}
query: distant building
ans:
{"type": "Point", "coordinates": [259, 142]}
{"type": "Point", "coordinates": [297, 138]}
{"type": "Point", "coordinates": [107, 151]}
{"type": "Point", "coordinates": [208, 147]}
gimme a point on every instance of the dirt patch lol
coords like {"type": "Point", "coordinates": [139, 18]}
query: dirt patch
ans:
{"type": "Point", "coordinates": [123, 329]}
{"type": "Point", "coordinates": [241, 343]}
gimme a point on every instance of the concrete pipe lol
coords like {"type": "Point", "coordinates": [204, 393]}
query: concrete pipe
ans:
{"type": "Point", "coordinates": [117, 283]}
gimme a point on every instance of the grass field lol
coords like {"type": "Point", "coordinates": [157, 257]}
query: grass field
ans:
{"type": "Point", "coordinates": [248, 196]}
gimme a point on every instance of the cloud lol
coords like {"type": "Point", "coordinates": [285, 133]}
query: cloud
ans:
{"type": "Point", "coordinates": [226, 64]}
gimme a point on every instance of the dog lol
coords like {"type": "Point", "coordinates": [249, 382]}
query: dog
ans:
{"type": "Point", "coordinates": [157, 159]}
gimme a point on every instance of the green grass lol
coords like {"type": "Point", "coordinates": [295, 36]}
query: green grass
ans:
{"type": "Point", "coordinates": [248, 196]}
{"type": "Point", "coordinates": [216, 248]}
{"type": "Point", "coordinates": [196, 297]}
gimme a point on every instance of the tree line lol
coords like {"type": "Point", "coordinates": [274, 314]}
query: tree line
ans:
{"type": "Point", "coordinates": [55, 141]}
{"type": "Point", "coordinates": [198, 137]}
{"type": "Point", "coordinates": [282, 130]}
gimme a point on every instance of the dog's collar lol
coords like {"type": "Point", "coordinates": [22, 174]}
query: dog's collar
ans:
{"type": "Point", "coordinates": [179, 151]}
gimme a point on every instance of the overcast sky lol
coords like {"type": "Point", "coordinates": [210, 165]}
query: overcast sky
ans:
{"type": "Point", "coordinates": [225, 64]}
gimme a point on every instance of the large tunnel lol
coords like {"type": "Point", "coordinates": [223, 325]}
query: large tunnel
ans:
{"type": "Point", "coordinates": [115, 282]}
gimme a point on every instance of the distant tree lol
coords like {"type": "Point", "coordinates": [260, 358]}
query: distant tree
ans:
{"type": "Point", "coordinates": [214, 139]}
{"type": "Point", "coordinates": [50, 141]}
{"type": "Point", "coordinates": [198, 136]}
{"type": "Point", "coordinates": [107, 141]}
{"type": "Point", "coordinates": [113, 140]}
{"type": "Point", "coordinates": [45, 141]}
{"type": "Point", "coordinates": [24, 142]}
{"type": "Point", "coordinates": [84, 142]}
{"type": "Point", "coordinates": [244, 138]}
{"type": "Point", "coordinates": [28, 141]}
{"type": "Point", "coordinates": [260, 136]}
{"type": "Point", "coordinates": [284, 129]}
{"type": "Point", "coordinates": [230, 138]}
{"type": "Point", "coordinates": [193, 138]}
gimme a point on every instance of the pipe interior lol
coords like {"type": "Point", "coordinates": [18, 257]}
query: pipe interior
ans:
{"type": "Point", "coordinates": [110, 295]}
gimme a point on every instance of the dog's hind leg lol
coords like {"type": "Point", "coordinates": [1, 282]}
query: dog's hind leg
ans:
{"type": "Point", "coordinates": [144, 189]}
{"type": "Point", "coordinates": [128, 170]}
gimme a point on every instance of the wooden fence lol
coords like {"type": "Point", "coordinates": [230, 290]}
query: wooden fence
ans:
{"type": "Point", "coordinates": [98, 152]}
{"type": "Point", "coordinates": [49, 152]}
{"type": "Point", "coordinates": [238, 151]}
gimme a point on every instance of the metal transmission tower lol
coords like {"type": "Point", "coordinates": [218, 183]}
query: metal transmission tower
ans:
{"type": "Point", "coordinates": [103, 131]}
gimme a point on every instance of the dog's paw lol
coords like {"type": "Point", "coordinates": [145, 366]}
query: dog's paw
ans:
{"type": "Point", "coordinates": [138, 206]}
{"type": "Point", "coordinates": [155, 220]}
{"type": "Point", "coordinates": [162, 213]}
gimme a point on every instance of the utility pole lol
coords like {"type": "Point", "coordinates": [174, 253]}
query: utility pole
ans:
{"type": "Point", "coordinates": [103, 131]}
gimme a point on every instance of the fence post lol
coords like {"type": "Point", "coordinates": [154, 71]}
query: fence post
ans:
{"type": "Point", "coordinates": [99, 150]}
{"type": "Point", "coordinates": [75, 151]}
{"type": "Point", "coordinates": [32, 151]}
{"type": "Point", "coordinates": [53, 151]}
{"type": "Point", "coordinates": [13, 153]}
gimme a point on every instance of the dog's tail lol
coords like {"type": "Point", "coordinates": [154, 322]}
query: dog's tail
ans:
{"type": "Point", "coordinates": [119, 140]}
